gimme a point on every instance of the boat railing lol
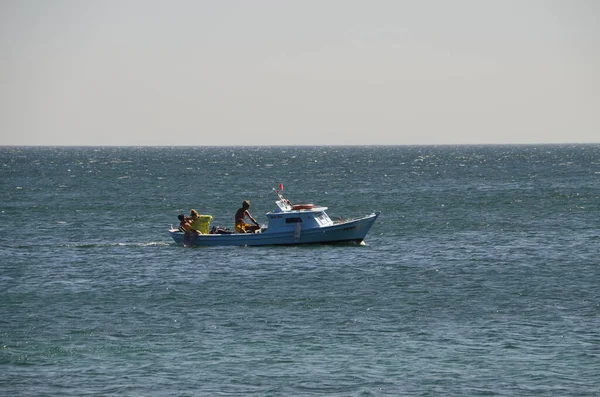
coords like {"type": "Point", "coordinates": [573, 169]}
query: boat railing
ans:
{"type": "Point", "coordinates": [283, 203]}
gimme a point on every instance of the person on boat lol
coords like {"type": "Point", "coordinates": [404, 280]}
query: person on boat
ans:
{"type": "Point", "coordinates": [199, 223]}
{"type": "Point", "coordinates": [184, 224]}
{"type": "Point", "coordinates": [240, 224]}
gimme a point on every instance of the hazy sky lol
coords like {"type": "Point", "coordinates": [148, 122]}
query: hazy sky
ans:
{"type": "Point", "coordinates": [283, 72]}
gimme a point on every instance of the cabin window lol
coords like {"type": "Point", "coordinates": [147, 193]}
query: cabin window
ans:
{"type": "Point", "coordinates": [293, 220]}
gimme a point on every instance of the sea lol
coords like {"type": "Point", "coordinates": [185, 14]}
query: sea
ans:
{"type": "Point", "coordinates": [481, 276]}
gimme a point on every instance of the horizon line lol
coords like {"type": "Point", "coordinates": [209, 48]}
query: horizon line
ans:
{"type": "Point", "coordinates": [297, 145]}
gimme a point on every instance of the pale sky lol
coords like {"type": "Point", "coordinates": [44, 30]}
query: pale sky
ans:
{"type": "Point", "coordinates": [305, 72]}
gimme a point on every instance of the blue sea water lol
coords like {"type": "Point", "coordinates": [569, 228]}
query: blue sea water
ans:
{"type": "Point", "coordinates": [480, 278]}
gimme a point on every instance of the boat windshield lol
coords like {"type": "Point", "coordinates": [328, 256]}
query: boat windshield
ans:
{"type": "Point", "coordinates": [322, 218]}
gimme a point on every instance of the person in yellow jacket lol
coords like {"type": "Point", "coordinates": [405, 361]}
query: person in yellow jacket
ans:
{"type": "Point", "coordinates": [199, 223]}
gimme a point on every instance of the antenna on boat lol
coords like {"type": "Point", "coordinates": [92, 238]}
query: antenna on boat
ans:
{"type": "Point", "coordinates": [278, 191]}
{"type": "Point", "coordinates": [285, 203]}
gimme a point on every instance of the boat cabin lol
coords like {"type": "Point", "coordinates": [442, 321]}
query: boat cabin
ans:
{"type": "Point", "coordinates": [288, 217]}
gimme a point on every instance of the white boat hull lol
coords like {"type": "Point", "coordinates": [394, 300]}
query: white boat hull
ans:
{"type": "Point", "coordinates": [349, 231]}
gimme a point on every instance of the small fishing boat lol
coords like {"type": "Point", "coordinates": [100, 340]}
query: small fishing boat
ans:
{"type": "Point", "coordinates": [288, 224]}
